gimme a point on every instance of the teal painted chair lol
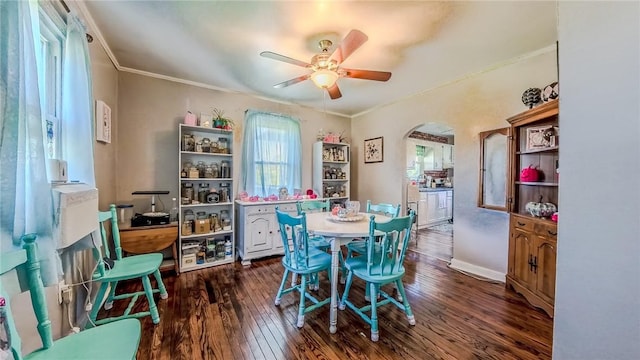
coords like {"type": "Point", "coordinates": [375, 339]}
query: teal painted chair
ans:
{"type": "Point", "coordinates": [124, 268]}
{"type": "Point", "coordinates": [301, 260]}
{"type": "Point", "coordinates": [318, 242]}
{"type": "Point", "coordinates": [20, 271]}
{"type": "Point", "coordinates": [358, 246]}
{"type": "Point", "coordinates": [382, 264]}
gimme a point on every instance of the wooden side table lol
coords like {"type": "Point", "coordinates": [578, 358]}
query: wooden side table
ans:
{"type": "Point", "coordinates": [148, 239]}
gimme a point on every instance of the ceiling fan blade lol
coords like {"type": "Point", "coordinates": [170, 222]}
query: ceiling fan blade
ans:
{"type": "Point", "coordinates": [334, 92]}
{"type": "Point", "coordinates": [367, 74]}
{"type": "Point", "coordinates": [274, 56]}
{"type": "Point", "coordinates": [353, 40]}
{"type": "Point", "coordinates": [292, 81]}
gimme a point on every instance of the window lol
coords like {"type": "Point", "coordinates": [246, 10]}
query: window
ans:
{"type": "Point", "coordinates": [50, 76]}
{"type": "Point", "coordinates": [272, 152]}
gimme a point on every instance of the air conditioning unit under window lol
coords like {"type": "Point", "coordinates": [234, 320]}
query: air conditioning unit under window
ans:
{"type": "Point", "coordinates": [76, 212]}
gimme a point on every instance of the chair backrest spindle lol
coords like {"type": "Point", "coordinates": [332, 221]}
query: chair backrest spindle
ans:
{"type": "Point", "coordinates": [298, 254]}
{"type": "Point", "coordinates": [387, 254]}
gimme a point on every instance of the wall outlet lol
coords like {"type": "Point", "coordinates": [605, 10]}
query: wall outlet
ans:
{"type": "Point", "coordinates": [62, 287]}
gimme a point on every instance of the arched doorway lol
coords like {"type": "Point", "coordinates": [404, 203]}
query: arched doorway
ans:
{"type": "Point", "coordinates": [429, 180]}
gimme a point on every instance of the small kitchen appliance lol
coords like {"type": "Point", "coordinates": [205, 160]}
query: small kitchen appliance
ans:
{"type": "Point", "coordinates": [154, 217]}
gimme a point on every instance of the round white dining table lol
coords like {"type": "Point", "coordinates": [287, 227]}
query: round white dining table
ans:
{"type": "Point", "coordinates": [338, 233]}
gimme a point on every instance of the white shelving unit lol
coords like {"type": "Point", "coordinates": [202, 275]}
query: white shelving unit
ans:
{"type": "Point", "coordinates": [331, 171]}
{"type": "Point", "coordinates": [203, 243]}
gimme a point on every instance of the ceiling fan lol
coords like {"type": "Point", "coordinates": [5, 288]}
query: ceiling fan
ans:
{"type": "Point", "coordinates": [326, 67]}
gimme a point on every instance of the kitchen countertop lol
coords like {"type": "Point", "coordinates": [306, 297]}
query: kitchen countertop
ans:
{"type": "Point", "coordinates": [438, 189]}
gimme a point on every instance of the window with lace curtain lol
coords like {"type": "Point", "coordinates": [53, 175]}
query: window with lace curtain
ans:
{"type": "Point", "coordinates": [272, 152]}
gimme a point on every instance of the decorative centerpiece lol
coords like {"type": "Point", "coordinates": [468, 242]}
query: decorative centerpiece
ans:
{"type": "Point", "coordinates": [541, 209]}
{"type": "Point", "coordinates": [531, 97]}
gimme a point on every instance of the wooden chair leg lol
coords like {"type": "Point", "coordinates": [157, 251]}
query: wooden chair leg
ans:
{"type": "Point", "coordinates": [163, 290]}
{"type": "Point", "coordinates": [281, 289]}
{"type": "Point", "coordinates": [303, 290]}
{"type": "Point", "coordinates": [345, 295]}
{"type": "Point", "coordinates": [148, 290]}
{"type": "Point", "coordinates": [108, 304]}
{"type": "Point", "coordinates": [375, 335]}
{"type": "Point", "coordinates": [96, 307]}
{"type": "Point", "coordinates": [407, 307]}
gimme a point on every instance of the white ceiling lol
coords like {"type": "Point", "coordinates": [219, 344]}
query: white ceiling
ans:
{"type": "Point", "coordinates": [217, 43]}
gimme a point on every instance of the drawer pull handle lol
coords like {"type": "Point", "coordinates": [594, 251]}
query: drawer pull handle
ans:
{"type": "Point", "coordinates": [552, 232]}
{"type": "Point", "coordinates": [520, 223]}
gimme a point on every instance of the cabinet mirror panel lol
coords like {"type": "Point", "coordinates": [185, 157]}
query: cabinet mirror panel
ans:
{"type": "Point", "coordinates": [492, 189]}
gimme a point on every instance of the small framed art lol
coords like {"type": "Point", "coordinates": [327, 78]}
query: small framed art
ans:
{"type": "Point", "coordinates": [373, 150]}
{"type": "Point", "coordinates": [541, 137]}
{"type": "Point", "coordinates": [103, 122]}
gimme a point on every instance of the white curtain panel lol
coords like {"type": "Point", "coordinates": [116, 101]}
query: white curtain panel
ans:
{"type": "Point", "coordinates": [25, 203]}
{"type": "Point", "coordinates": [77, 104]}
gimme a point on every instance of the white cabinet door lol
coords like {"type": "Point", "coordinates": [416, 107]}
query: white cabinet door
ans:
{"type": "Point", "coordinates": [437, 155]}
{"type": "Point", "coordinates": [422, 213]}
{"type": "Point", "coordinates": [447, 156]}
{"type": "Point", "coordinates": [449, 205]}
{"type": "Point", "coordinates": [258, 233]}
{"type": "Point", "coordinates": [436, 207]}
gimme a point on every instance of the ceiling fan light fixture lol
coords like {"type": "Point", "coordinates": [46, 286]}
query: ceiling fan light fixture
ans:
{"type": "Point", "coordinates": [324, 78]}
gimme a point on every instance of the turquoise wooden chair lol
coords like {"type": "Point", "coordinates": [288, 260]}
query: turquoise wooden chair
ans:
{"type": "Point", "coordinates": [359, 246]}
{"type": "Point", "coordinates": [300, 260]}
{"type": "Point", "coordinates": [20, 271]}
{"type": "Point", "coordinates": [318, 242]}
{"type": "Point", "coordinates": [383, 264]}
{"type": "Point", "coordinates": [392, 211]}
{"type": "Point", "coordinates": [124, 268]}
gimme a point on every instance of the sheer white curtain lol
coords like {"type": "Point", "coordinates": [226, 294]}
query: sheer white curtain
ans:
{"type": "Point", "coordinates": [271, 153]}
{"type": "Point", "coordinates": [26, 204]}
{"type": "Point", "coordinates": [77, 104]}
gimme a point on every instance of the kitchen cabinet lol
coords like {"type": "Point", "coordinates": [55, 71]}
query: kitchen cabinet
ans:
{"type": "Point", "coordinates": [422, 210]}
{"type": "Point", "coordinates": [433, 156]}
{"type": "Point", "coordinates": [206, 232]}
{"type": "Point", "coordinates": [331, 171]}
{"type": "Point", "coordinates": [532, 260]}
{"type": "Point", "coordinates": [533, 241]}
{"type": "Point", "coordinates": [435, 207]}
{"type": "Point", "coordinates": [447, 156]}
{"type": "Point", "coordinates": [258, 229]}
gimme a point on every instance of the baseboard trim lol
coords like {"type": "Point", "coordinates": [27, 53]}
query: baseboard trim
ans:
{"type": "Point", "coordinates": [477, 270]}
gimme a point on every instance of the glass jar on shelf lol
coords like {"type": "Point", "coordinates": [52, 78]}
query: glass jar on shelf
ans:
{"type": "Point", "coordinates": [201, 167]}
{"type": "Point", "coordinates": [187, 193]}
{"type": "Point", "coordinates": [206, 145]}
{"type": "Point", "coordinates": [214, 222]}
{"type": "Point", "coordinates": [225, 220]}
{"type": "Point", "coordinates": [215, 170]}
{"type": "Point", "coordinates": [203, 191]}
{"type": "Point", "coordinates": [188, 142]}
{"type": "Point", "coordinates": [223, 145]}
{"type": "Point", "coordinates": [225, 169]}
{"type": "Point", "coordinates": [208, 171]}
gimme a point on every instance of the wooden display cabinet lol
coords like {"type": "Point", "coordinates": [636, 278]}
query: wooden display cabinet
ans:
{"type": "Point", "coordinates": [534, 142]}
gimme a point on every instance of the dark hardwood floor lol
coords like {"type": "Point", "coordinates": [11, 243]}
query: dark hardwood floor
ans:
{"type": "Point", "coordinates": [227, 312]}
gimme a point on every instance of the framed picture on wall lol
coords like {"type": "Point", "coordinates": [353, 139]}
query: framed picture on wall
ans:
{"type": "Point", "coordinates": [373, 150]}
{"type": "Point", "coordinates": [103, 122]}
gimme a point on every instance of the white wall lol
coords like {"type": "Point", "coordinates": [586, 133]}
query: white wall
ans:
{"type": "Point", "coordinates": [478, 103]}
{"type": "Point", "coordinates": [597, 311]}
{"type": "Point", "coordinates": [149, 111]}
